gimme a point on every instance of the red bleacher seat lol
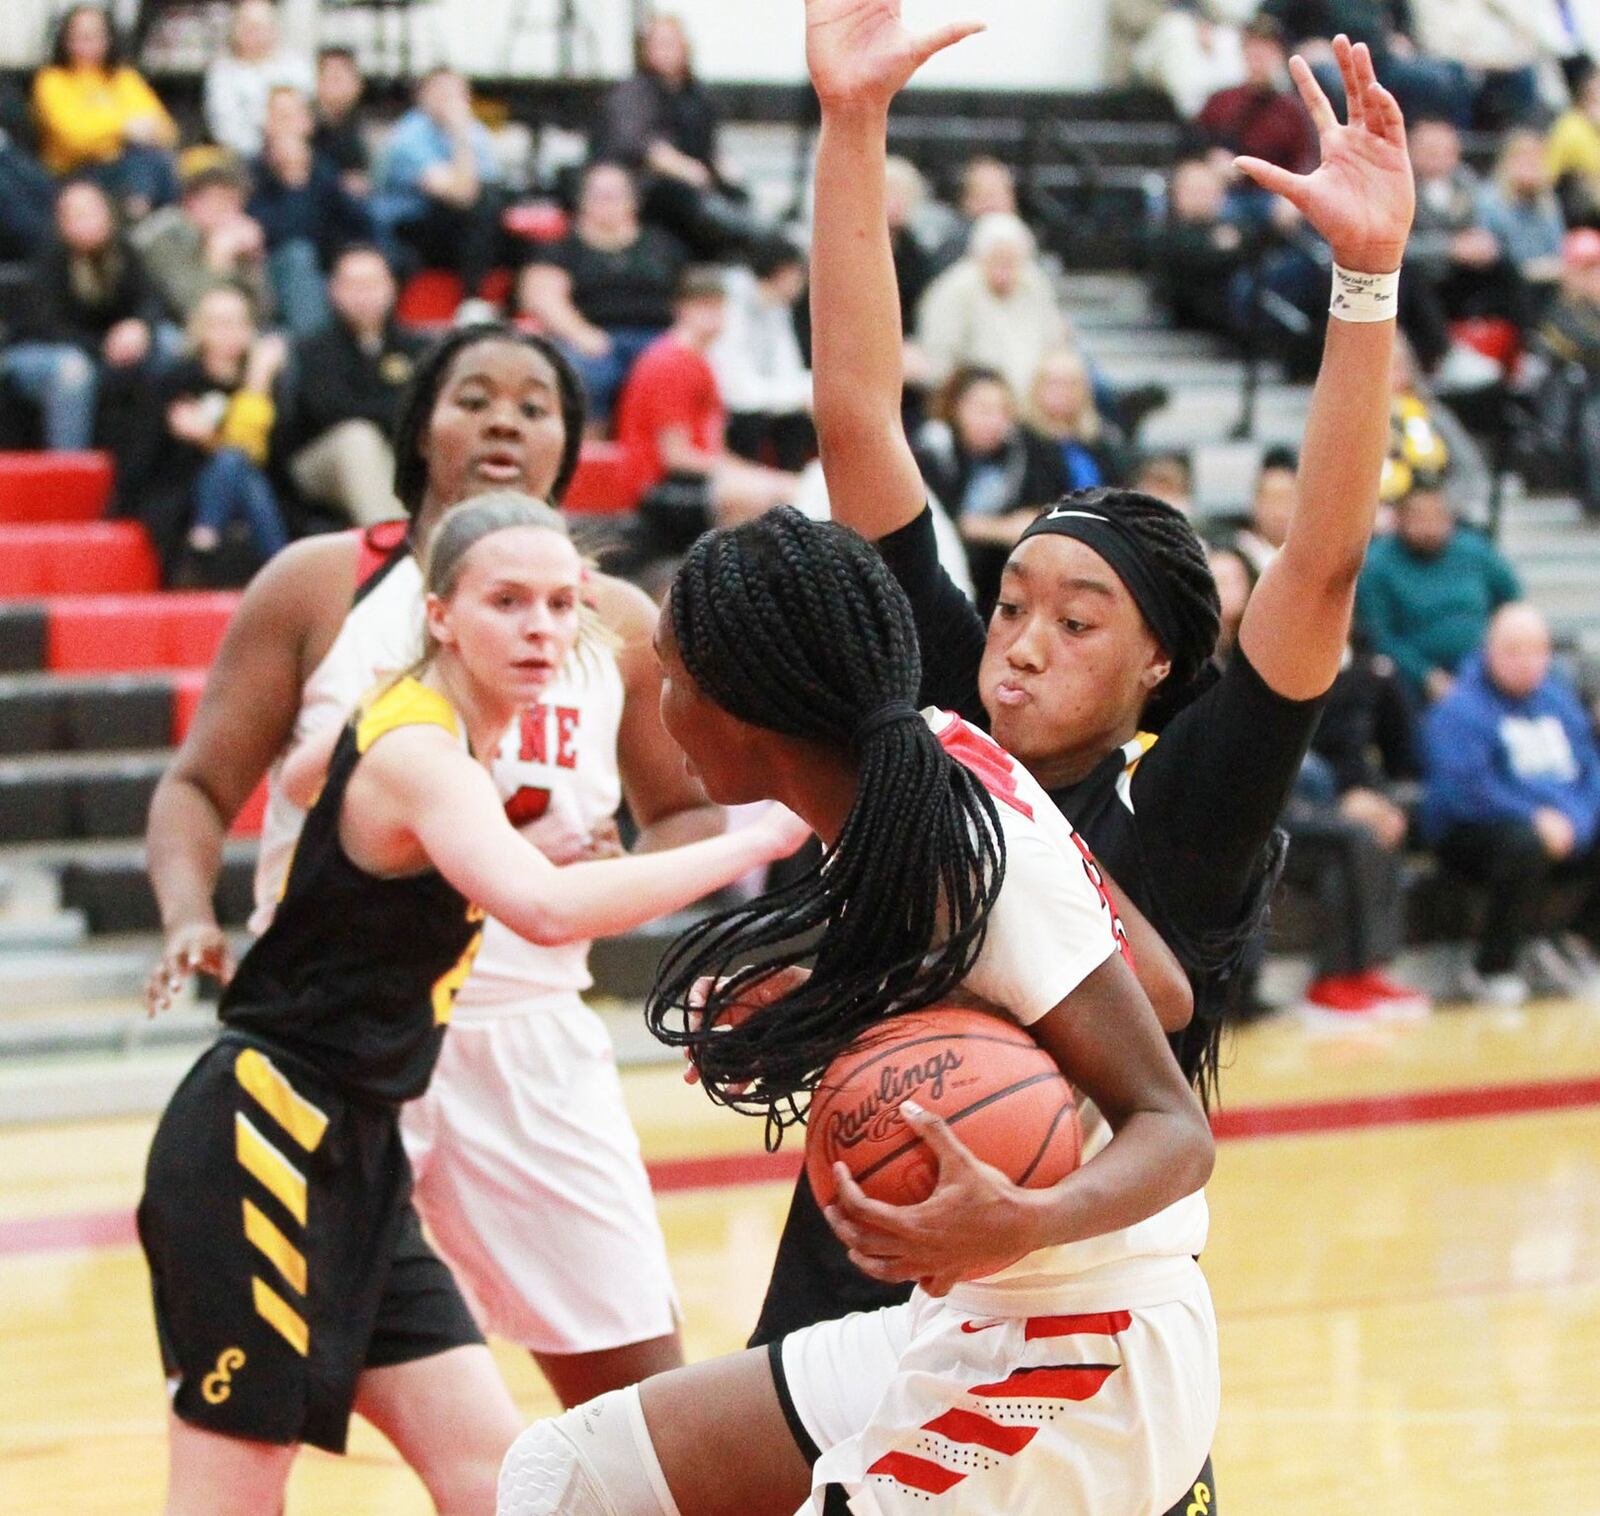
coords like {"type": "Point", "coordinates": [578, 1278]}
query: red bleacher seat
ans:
{"type": "Point", "coordinates": [430, 297]}
{"type": "Point", "coordinates": [125, 633]}
{"type": "Point", "coordinates": [54, 486]}
{"type": "Point", "coordinates": [600, 487]}
{"type": "Point", "coordinates": [87, 558]}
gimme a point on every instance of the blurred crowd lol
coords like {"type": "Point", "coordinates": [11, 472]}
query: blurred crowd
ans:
{"type": "Point", "coordinates": [217, 304]}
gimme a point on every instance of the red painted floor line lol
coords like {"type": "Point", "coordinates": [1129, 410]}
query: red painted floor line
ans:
{"type": "Point", "coordinates": [105, 1229]}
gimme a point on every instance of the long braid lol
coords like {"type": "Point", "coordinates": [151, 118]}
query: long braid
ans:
{"type": "Point", "coordinates": [1212, 958]}
{"type": "Point", "coordinates": [799, 628]}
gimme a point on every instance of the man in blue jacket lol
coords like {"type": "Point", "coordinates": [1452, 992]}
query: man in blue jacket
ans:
{"type": "Point", "coordinates": [1512, 798]}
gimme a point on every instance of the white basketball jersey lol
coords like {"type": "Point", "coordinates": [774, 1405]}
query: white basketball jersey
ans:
{"type": "Point", "coordinates": [556, 771]}
{"type": "Point", "coordinates": [1051, 927]}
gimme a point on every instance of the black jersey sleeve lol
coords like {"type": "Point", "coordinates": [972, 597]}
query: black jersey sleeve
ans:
{"type": "Point", "coordinates": [1207, 796]}
{"type": "Point", "coordinates": [949, 628]}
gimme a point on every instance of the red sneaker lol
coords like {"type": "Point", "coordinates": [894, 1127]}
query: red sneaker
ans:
{"type": "Point", "coordinates": [1345, 998]}
{"type": "Point", "coordinates": [1398, 1000]}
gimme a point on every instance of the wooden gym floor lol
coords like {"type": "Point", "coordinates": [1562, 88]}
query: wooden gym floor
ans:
{"type": "Point", "coordinates": [1405, 1255]}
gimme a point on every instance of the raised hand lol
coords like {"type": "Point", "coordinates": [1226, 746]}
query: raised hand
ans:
{"type": "Point", "coordinates": [859, 52]}
{"type": "Point", "coordinates": [1361, 196]}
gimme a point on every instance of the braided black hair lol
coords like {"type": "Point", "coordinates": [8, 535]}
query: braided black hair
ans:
{"type": "Point", "coordinates": [422, 394]}
{"type": "Point", "coordinates": [798, 626]}
{"type": "Point", "coordinates": [1211, 958]}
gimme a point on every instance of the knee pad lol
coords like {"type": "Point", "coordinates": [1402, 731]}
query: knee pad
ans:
{"type": "Point", "coordinates": [595, 1460]}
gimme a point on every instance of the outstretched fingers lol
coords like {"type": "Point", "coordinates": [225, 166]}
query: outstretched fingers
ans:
{"type": "Point", "coordinates": [1384, 116]}
{"type": "Point", "coordinates": [942, 37]}
{"type": "Point", "coordinates": [1316, 102]}
{"type": "Point", "coordinates": [1348, 59]}
{"type": "Point", "coordinates": [1279, 181]}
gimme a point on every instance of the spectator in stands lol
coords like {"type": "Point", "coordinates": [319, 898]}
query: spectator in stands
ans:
{"type": "Point", "coordinates": [1062, 409]}
{"type": "Point", "coordinates": [205, 470]}
{"type": "Point", "coordinates": [340, 137]}
{"type": "Point", "coordinates": [89, 322]}
{"type": "Point", "coordinates": [986, 187]}
{"type": "Point", "coordinates": [760, 369]}
{"type": "Point", "coordinates": [1347, 823]}
{"type": "Point", "coordinates": [1168, 477]}
{"type": "Point", "coordinates": [605, 291]}
{"type": "Point", "coordinates": [1263, 117]}
{"type": "Point", "coordinates": [1501, 46]}
{"type": "Point", "coordinates": [662, 123]}
{"type": "Point", "coordinates": [1236, 581]}
{"type": "Point", "coordinates": [238, 82]}
{"type": "Point", "coordinates": [1452, 248]}
{"type": "Point", "coordinates": [991, 473]}
{"type": "Point", "coordinates": [340, 395]}
{"type": "Point", "coordinates": [1567, 395]}
{"type": "Point", "coordinates": [205, 240]}
{"type": "Point", "coordinates": [995, 308]}
{"type": "Point", "coordinates": [1512, 798]}
{"type": "Point", "coordinates": [905, 194]}
{"type": "Point", "coordinates": [304, 212]}
{"type": "Point", "coordinates": [1423, 86]}
{"type": "Point", "coordinates": [1427, 592]}
{"type": "Point", "coordinates": [1188, 50]}
{"type": "Point", "coordinates": [1572, 150]}
{"type": "Point", "coordinates": [671, 422]}
{"type": "Point", "coordinates": [27, 193]}
{"type": "Point", "coordinates": [96, 114]}
{"type": "Point", "coordinates": [1427, 441]}
{"type": "Point", "coordinates": [1521, 208]}
{"type": "Point", "coordinates": [439, 183]}
{"type": "Point", "coordinates": [1200, 252]}
{"type": "Point", "coordinates": [1272, 506]}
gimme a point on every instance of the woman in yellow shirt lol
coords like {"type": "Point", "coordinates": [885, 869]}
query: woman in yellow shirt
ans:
{"type": "Point", "coordinates": [97, 114]}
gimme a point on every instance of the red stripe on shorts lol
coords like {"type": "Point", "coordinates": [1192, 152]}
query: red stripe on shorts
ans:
{"type": "Point", "coordinates": [1098, 1324]}
{"type": "Point", "coordinates": [917, 1473]}
{"type": "Point", "coordinates": [1079, 1382]}
{"type": "Point", "coordinates": [968, 1426]}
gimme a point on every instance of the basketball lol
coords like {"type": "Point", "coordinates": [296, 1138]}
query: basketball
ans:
{"type": "Point", "coordinates": [1000, 1092]}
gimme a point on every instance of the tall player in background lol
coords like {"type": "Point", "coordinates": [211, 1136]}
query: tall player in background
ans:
{"type": "Point", "coordinates": [528, 1171]}
{"type": "Point", "coordinates": [1094, 670]}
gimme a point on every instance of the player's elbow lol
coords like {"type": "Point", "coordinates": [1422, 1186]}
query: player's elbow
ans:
{"type": "Point", "coordinates": [546, 924]}
{"type": "Point", "coordinates": [1194, 1153]}
{"type": "Point", "coordinates": [1173, 999]}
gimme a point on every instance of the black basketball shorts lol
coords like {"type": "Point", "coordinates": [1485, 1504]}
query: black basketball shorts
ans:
{"type": "Point", "coordinates": [285, 1254]}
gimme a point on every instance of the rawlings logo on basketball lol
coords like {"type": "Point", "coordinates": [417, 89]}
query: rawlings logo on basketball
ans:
{"type": "Point", "coordinates": [872, 1119]}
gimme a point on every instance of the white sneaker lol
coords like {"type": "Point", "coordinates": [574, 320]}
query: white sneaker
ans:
{"type": "Point", "coordinates": [474, 311]}
{"type": "Point", "coordinates": [1585, 965]}
{"type": "Point", "coordinates": [1463, 369]}
{"type": "Point", "coordinates": [1503, 991]}
{"type": "Point", "coordinates": [1548, 972]}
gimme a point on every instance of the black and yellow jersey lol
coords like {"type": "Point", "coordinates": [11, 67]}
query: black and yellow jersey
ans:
{"type": "Point", "coordinates": [357, 974]}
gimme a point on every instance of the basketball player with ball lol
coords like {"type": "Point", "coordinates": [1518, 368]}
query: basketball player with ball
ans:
{"type": "Point", "coordinates": [954, 908]}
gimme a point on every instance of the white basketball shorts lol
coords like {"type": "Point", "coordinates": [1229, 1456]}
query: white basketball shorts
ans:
{"type": "Point", "coordinates": [531, 1183]}
{"type": "Point", "coordinates": [924, 1408]}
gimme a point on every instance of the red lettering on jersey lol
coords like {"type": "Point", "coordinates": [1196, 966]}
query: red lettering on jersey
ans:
{"type": "Point", "coordinates": [533, 738]}
{"type": "Point", "coordinates": [989, 761]}
{"type": "Point", "coordinates": [1091, 866]}
{"type": "Point", "coordinates": [566, 731]}
{"type": "Point", "coordinates": [527, 805]}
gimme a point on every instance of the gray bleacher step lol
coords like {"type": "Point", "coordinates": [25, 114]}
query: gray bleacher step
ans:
{"type": "Point", "coordinates": [29, 932]}
{"type": "Point", "coordinates": [130, 850]}
{"type": "Point", "coordinates": [44, 976]}
{"type": "Point", "coordinates": [85, 765]}
{"type": "Point", "coordinates": [104, 1077]}
{"type": "Point", "coordinates": [119, 1027]}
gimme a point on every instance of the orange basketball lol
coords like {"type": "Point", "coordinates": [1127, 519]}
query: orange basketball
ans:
{"type": "Point", "coordinates": [1000, 1092]}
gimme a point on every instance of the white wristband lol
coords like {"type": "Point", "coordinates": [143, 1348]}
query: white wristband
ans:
{"type": "Point", "coordinates": [1364, 297]}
